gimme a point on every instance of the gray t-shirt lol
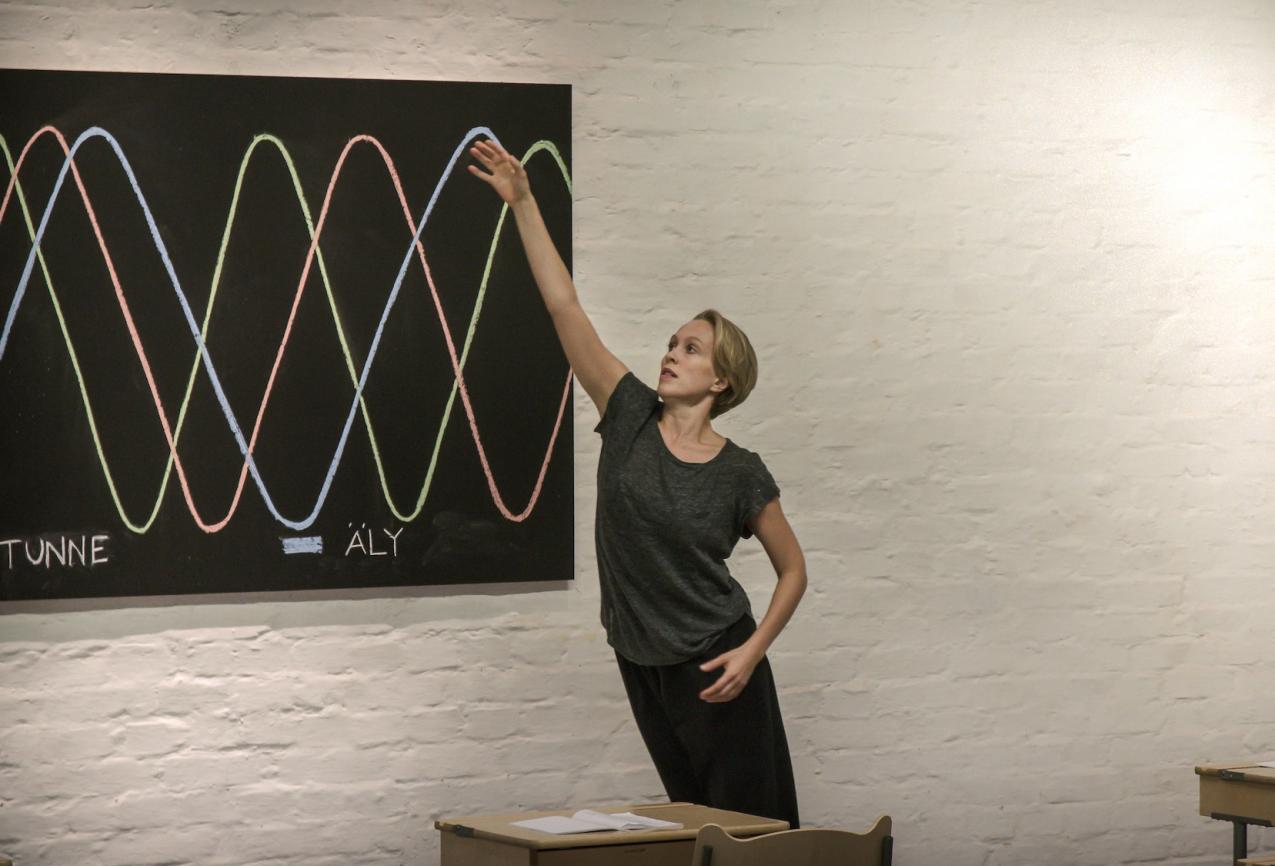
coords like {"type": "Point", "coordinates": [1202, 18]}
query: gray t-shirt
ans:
{"type": "Point", "coordinates": [664, 529]}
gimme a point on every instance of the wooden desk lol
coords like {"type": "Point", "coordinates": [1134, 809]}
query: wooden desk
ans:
{"type": "Point", "coordinates": [490, 840]}
{"type": "Point", "coordinates": [1240, 793]}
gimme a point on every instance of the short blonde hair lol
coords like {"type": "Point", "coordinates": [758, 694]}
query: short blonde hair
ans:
{"type": "Point", "coordinates": [733, 360]}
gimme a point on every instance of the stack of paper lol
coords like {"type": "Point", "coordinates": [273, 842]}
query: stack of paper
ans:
{"type": "Point", "coordinates": [589, 821]}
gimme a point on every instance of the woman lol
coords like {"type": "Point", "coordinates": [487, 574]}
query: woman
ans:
{"type": "Point", "coordinates": [674, 497]}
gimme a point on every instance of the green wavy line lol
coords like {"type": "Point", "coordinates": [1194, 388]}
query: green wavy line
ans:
{"type": "Point", "coordinates": [542, 145]}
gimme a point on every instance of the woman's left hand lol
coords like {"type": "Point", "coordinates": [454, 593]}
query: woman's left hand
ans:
{"type": "Point", "coordinates": [739, 664]}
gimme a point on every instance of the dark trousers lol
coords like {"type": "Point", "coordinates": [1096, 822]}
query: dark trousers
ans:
{"type": "Point", "coordinates": [731, 755]}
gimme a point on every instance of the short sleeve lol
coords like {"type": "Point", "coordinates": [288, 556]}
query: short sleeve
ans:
{"type": "Point", "coordinates": [628, 406]}
{"type": "Point", "coordinates": [758, 488]}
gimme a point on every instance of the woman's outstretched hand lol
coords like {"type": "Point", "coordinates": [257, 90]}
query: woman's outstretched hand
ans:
{"type": "Point", "coordinates": [504, 173]}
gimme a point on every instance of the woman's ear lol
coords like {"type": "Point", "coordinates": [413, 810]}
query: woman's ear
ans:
{"type": "Point", "coordinates": [719, 386]}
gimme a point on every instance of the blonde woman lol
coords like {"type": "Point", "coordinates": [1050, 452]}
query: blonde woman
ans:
{"type": "Point", "coordinates": [674, 497]}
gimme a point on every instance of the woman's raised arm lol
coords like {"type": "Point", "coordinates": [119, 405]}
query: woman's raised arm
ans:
{"type": "Point", "coordinates": [597, 369]}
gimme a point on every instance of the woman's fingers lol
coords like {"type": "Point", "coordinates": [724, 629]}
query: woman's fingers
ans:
{"type": "Point", "coordinates": [722, 696]}
{"type": "Point", "coordinates": [724, 686]}
{"type": "Point", "coordinates": [490, 153]}
{"type": "Point", "coordinates": [484, 152]}
{"type": "Point", "coordinates": [714, 664]}
{"type": "Point", "coordinates": [492, 147]}
{"type": "Point", "coordinates": [727, 687]}
{"type": "Point", "coordinates": [504, 173]}
{"type": "Point", "coordinates": [483, 155]}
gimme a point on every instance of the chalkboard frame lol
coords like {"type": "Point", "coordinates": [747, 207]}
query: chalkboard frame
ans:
{"type": "Point", "coordinates": [464, 486]}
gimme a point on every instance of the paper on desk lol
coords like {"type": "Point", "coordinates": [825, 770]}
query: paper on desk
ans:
{"type": "Point", "coordinates": [1270, 764]}
{"type": "Point", "coordinates": [633, 821]}
{"type": "Point", "coordinates": [589, 821]}
{"type": "Point", "coordinates": [559, 824]}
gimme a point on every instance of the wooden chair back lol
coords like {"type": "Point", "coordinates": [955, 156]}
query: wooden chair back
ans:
{"type": "Point", "coordinates": [807, 847]}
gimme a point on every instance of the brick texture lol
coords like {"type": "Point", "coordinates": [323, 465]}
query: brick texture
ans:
{"type": "Point", "coordinates": [1009, 269]}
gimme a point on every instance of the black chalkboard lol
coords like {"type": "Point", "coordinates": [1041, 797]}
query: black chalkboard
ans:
{"type": "Point", "coordinates": [90, 371]}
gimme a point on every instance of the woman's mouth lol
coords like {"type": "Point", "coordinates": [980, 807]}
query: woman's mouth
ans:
{"type": "Point", "coordinates": [666, 373]}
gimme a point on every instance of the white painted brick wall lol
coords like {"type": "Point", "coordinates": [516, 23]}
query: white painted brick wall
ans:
{"type": "Point", "coordinates": [1009, 265]}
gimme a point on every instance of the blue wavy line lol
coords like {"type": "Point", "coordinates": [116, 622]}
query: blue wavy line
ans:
{"type": "Point", "coordinates": [231, 420]}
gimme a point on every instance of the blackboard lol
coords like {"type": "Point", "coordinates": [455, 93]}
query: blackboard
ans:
{"type": "Point", "coordinates": [178, 289]}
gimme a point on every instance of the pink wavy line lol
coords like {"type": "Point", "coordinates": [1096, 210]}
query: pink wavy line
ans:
{"type": "Point", "coordinates": [475, 434]}
{"type": "Point", "coordinates": [119, 294]}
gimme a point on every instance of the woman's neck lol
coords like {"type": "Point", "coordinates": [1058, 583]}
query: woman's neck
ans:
{"type": "Point", "coordinates": [681, 423]}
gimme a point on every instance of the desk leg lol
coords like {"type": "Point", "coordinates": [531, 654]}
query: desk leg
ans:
{"type": "Point", "coordinates": [1239, 845]}
{"type": "Point", "coordinates": [1239, 837]}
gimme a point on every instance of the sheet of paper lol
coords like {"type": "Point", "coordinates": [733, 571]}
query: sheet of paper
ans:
{"type": "Point", "coordinates": [589, 821]}
{"type": "Point", "coordinates": [1270, 764]}
{"type": "Point", "coordinates": [653, 823]}
{"type": "Point", "coordinates": [559, 824]}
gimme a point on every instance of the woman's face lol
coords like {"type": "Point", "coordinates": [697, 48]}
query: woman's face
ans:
{"type": "Point", "coordinates": [686, 370]}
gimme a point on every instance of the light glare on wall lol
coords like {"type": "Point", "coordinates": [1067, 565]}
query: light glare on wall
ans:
{"type": "Point", "coordinates": [1205, 165]}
